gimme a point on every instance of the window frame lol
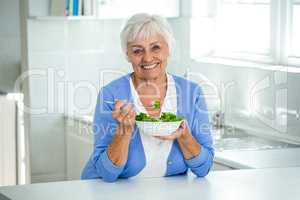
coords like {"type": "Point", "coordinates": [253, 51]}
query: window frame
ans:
{"type": "Point", "coordinates": [293, 59]}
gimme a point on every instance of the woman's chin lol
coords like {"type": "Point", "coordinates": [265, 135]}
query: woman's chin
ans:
{"type": "Point", "coordinates": [152, 75]}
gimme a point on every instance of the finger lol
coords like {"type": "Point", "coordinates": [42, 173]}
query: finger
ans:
{"type": "Point", "coordinates": [182, 125]}
{"type": "Point", "coordinates": [126, 110]}
{"type": "Point", "coordinates": [159, 137]}
{"type": "Point", "coordinates": [132, 113]}
{"type": "Point", "coordinates": [129, 119]}
{"type": "Point", "coordinates": [116, 113]}
{"type": "Point", "coordinates": [165, 137]}
{"type": "Point", "coordinates": [125, 122]}
{"type": "Point", "coordinates": [129, 115]}
{"type": "Point", "coordinates": [176, 134]}
{"type": "Point", "coordinates": [119, 104]}
{"type": "Point", "coordinates": [132, 117]}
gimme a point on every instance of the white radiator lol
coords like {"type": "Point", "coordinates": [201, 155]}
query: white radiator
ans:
{"type": "Point", "coordinates": [8, 145]}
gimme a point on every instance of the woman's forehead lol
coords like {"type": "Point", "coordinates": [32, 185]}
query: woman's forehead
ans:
{"type": "Point", "coordinates": [146, 41]}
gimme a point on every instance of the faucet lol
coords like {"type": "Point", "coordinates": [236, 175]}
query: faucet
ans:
{"type": "Point", "coordinates": [218, 119]}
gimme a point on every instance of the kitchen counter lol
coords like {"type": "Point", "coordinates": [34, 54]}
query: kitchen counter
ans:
{"type": "Point", "coordinates": [260, 158]}
{"type": "Point", "coordinates": [87, 119]}
{"type": "Point", "coordinates": [277, 183]}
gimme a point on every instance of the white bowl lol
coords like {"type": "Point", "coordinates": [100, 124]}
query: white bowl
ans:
{"type": "Point", "coordinates": [158, 128]}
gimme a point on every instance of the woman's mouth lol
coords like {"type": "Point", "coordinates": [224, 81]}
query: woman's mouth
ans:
{"type": "Point", "coordinates": [149, 67]}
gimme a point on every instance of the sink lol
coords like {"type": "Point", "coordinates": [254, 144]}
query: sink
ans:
{"type": "Point", "coordinates": [229, 138]}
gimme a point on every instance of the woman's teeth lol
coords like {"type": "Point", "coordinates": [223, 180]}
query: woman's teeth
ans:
{"type": "Point", "coordinates": [149, 66]}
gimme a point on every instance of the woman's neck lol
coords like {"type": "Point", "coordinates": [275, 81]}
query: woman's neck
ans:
{"type": "Point", "coordinates": [150, 91]}
{"type": "Point", "coordinates": [160, 82]}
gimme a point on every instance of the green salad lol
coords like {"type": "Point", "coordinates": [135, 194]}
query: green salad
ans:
{"type": "Point", "coordinates": [156, 104]}
{"type": "Point", "coordinates": [165, 117]}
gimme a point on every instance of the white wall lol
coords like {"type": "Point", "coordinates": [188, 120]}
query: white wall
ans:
{"type": "Point", "coordinates": [10, 44]}
{"type": "Point", "coordinates": [39, 7]}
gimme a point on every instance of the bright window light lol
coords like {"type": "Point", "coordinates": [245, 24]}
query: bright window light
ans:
{"type": "Point", "coordinates": [243, 28]}
{"type": "Point", "coordinates": [238, 29]}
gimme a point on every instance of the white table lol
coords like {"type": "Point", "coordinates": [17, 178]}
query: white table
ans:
{"type": "Point", "coordinates": [252, 184]}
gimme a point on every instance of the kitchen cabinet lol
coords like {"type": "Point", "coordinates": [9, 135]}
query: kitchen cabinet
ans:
{"type": "Point", "coordinates": [79, 146]}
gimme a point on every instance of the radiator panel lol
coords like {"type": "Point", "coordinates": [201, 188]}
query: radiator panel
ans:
{"type": "Point", "coordinates": [8, 165]}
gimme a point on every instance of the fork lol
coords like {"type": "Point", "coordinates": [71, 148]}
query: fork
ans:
{"type": "Point", "coordinates": [154, 105]}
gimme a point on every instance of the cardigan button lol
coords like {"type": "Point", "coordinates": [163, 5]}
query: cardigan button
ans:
{"type": "Point", "coordinates": [170, 162]}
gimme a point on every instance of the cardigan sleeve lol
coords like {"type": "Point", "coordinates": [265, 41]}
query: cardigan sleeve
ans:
{"type": "Point", "coordinates": [200, 129]}
{"type": "Point", "coordinates": [104, 127]}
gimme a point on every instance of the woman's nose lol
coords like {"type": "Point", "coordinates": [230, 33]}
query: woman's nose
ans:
{"type": "Point", "coordinates": [147, 57]}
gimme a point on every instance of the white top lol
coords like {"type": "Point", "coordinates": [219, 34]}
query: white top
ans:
{"type": "Point", "coordinates": [156, 150]}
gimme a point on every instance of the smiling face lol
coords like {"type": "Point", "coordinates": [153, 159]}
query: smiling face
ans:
{"type": "Point", "coordinates": [148, 57]}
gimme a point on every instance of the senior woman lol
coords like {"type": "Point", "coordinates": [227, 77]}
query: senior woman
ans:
{"type": "Point", "coordinates": [120, 150]}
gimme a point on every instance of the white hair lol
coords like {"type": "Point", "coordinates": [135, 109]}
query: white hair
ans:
{"type": "Point", "coordinates": [143, 26]}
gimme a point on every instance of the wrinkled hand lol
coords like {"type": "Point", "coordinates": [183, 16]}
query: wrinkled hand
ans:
{"type": "Point", "coordinates": [181, 132]}
{"type": "Point", "coordinates": [124, 113]}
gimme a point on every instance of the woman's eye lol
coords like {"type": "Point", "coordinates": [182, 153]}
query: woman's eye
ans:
{"type": "Point", "coordinates": [137, 51]}
{"type": "Point", "coordinates": [156, 47]}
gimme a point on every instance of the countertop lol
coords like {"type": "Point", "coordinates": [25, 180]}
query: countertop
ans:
{"type": "Point", "coordinates": [252, 184]}
{"type": "Point", "coordinates": [260, 158]}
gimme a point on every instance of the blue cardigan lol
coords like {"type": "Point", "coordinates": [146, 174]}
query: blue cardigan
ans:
{"type": "Point", "coordinates": [190, 104]}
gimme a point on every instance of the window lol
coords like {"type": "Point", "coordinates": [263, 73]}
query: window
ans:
{"type": "Point", "coordinates": [243, 28]}
{"type": "Point", "coordinates": [295, 43]}
{"type": "Point", "coordinates": [265, 31]}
